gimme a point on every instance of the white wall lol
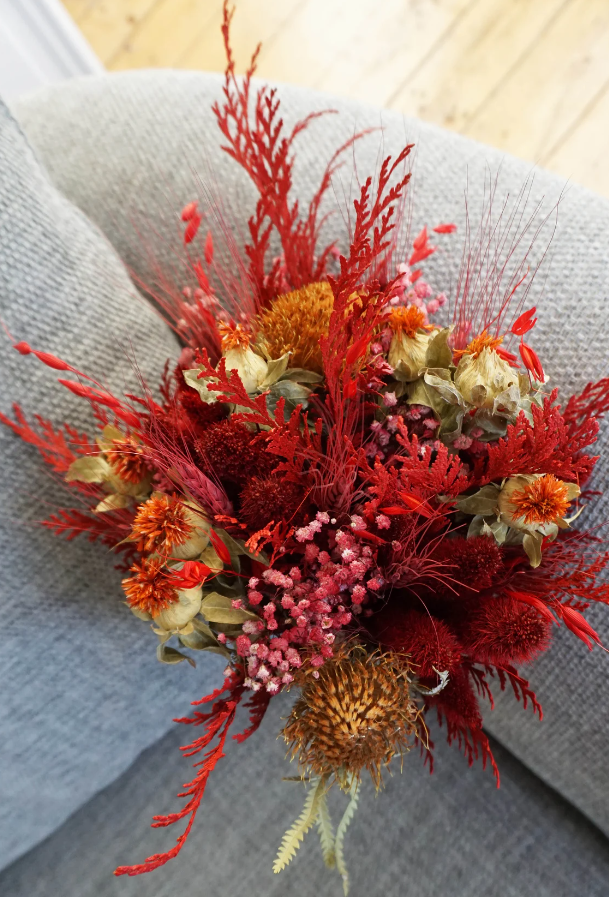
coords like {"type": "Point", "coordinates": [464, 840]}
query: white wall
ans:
{"type": "Point", "coordinates": [40, 44]}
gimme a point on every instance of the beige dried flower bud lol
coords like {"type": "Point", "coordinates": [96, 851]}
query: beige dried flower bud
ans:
{"type": "Point", "coordinates": [486, 380]}
{"type": "Point", "coordinates": [181, 612]}
{"type": "Point", "coordinates": [407, 354]}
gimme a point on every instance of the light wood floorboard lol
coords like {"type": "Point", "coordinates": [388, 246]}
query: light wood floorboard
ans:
{"type": "Point", "coordinates": [527, 76]}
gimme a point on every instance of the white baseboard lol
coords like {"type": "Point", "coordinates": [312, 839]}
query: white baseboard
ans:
{"type": "Point", "coordinates": [40, 44]}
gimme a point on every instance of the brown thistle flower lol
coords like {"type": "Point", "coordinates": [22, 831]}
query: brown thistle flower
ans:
{"type": "Point", "coordinates": [357, 715]}
{"type": "Point", "coordinates": [126, 458]}
{"type": "Point", "coordinates": [295, 322]}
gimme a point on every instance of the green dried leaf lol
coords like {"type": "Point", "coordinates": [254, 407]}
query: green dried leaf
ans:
{"type": "Point", "coordinates": [276, 368]}
{"type": "Point", "coordinates": [441, 380]}
{"type": "Point", "coordinates": [326, 832]}
{"type": "Point", "coordinates": [88, 469]}
{"type": "Point", "coordinates": [341, 831]}
{"type": "Point", "coordinates": [439, 353]}
{"type": "Point", "coordinates": [293, 393]}
{"type": "Point", "coordinates": [170, 655]}
{"type": "Point", "coordinates": [292, 839]}
{"type": "Point", "coordinates": [112, 503]}
{"type": "Point", "coordinates": [532, 545]}
{"type": "Point", "coordinates": [218, 608]}
{"type": "Point", "coordinates": [483, 502]}
{"type": "Point", "coordinates": [300, 375]}
{"type": "Point", "coordinates": [197, 640]}
{"type": "Point", "coordinates": [192, 379]}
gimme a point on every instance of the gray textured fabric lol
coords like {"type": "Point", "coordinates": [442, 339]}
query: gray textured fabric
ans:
{"type": "Point", "coordinates": [126, 147]}
{"type": "Point", "coordinates": [82, 692]}
{"type": "Point", "coordinates": [447, 835]}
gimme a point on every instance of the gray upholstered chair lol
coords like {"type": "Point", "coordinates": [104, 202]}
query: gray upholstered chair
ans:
{"type": "Point", "coordinates": [91, 175]}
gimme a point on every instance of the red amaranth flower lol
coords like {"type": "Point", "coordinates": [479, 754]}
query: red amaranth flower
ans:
{"type": "Point", "coordinates": [148, 589]}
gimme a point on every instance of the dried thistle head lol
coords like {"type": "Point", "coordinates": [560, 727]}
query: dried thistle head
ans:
{"type": "Point", "coordinates": [358, 714]}
{"type": "Point", "coordinates": [295, 322]}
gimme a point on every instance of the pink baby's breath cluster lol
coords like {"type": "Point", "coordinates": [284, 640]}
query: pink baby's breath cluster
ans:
{"type": "Point", "coordinates": [302, 610]}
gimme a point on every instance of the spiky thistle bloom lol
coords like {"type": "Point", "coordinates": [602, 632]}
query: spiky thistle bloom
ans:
{"type": "Point", "coordinates": [295, 322]}
{"type": "Point", "coordinates": [483, 341]}
{"type": "Point", "coordinates": [126, 457]}
{"type": "Point", "coordinates": [356, 715]}
{"type": "Point", "coordinates": [408, 320]}
{"type": "Point", "coordinates": [542, 501]}
{"type": "Point", "coordinates": [161, 524]}
{"type": "Point", "coordinates": [149, 590]}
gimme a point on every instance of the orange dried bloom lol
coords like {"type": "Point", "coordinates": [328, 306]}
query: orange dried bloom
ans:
{"type": "Point", "coordinates": [295, 322]}
{"type": "Point", "coordinates": [483, 341]}
{"type": "Point", "coordinates": [407, 320]}
{"type": "Point", "coordinates": [544, 501]}
{"type": "Point", "coordinates": [357, 715]}
{"type": "Point", "coordinates": [149, 589]}
{"type": "Point", "coordinates": [161, 524]}
{"type": "Point", "coordinates": [233, 336]}
{"type": "Point", "coordinates": [127, 460]}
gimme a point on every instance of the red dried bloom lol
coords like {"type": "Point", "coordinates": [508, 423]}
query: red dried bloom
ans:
{"type": "Point", "coordinates": [200, 415]}
{"type": "Point", "coordinates": [458, 703]}
{"type": "Point", "coordinates": [407, 320]}
{"type": "Point", "coordinates": [229, 451]}
{"type": "Point", "coordinates": [429, 642]}
{"type": "Point", "coordinates": [476, 562]}
{"type": "Point", "coordinates": [505, 632]}
{"type": "Point", "coordinates": [267, 499]}
{"type": "Point", "coordinates": [149, 589]}
{"type": "Point", "coordinates": [161, 524]}
{"type": "Point", "coordinates": [126, 457]}
{"type": "Point", "coordinates": [483, 341]}
{"type": "Point", "coordinates": [543, 501]}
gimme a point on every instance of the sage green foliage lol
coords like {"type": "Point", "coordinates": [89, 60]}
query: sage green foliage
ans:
{"type": "Point", "coordinates": [316, 811]}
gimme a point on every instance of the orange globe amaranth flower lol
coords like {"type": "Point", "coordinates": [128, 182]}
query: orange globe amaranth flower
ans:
{"type": "Point", "coordinates": [483, 341]}
{"type": "Point", "coordinates": [295, 322]}
{"type": "Point", "coordinates": [149, 589]}
{"type": "Point", "coordinates": [127, 460]}
{"type": "Point", "coordinates": [357, 715]}
{"type": "Point", "coordinates": [544, 501]}
{"type": "Point", "coordinates": [408, 320]}
{"type": "Point", "coordinates": [161, 524]}
{"type": "Point", "coordinates": [233, 336]}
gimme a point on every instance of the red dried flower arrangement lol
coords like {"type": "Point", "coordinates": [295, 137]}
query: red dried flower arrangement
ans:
{"type": "Point", "coordinates": [334, 493]}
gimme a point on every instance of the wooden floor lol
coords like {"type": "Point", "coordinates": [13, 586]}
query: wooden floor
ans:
{"type": "Point", "coordinates": [528, 76]}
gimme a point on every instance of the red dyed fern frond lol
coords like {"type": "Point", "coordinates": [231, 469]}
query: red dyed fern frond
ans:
{"type": "Point", "coordinates": [251, 124]}
{"type": "Point", "coordinates": [110, 528]}
{"type": "Point", "coordinates": [592, 402]}
{"type": "Point", "coordinates": [520, 686]}
{"type": "Point", "coordinates": [548, 445]}
{"type": "Point", "coordinates": [58, 447]}
{"type": "Point", "coordinates": [217, 724]}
